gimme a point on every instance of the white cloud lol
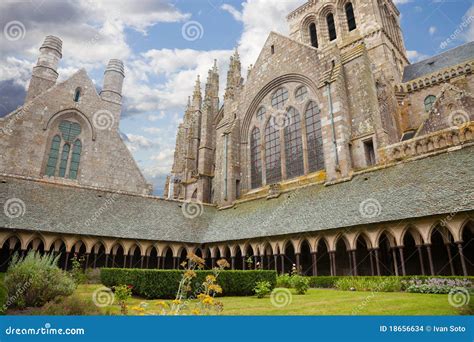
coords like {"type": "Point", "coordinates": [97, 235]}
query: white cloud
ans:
{"type": "Point", "coordinates": [432, 30]}
{"type": "Point", "coordinates": [415, 56]}
{"type": "Point", "coordinates": [260, 17]}
{"type": "Point", "coordinates": [233, 11]}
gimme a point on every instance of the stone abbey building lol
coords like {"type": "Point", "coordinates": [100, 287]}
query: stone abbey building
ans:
{"type": "Point", "coordinates": [335, 154]}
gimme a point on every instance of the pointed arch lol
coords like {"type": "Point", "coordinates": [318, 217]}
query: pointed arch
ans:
{"type": "Point", "coordinates": [314, 137]}
{"type": "Point", "coordinates": [272, 154]}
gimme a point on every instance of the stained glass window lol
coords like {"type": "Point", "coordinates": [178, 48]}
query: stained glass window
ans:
{"type": "Point", "coordinates": [272, 154]}
{"type": "Point", "coordinates": [64, 159]}
{"type": "Point", "coordinates": [294, 145]}
{"type": "Point", "coordinates": [256, 161]}
{"type": "Point", "coordinates": [75, 159]}
{"type": "Point", "coordinates": [279, 98]}
{"type": "Point", "coordinates": [53, 156]}
{"type": "Point", "coordinates": [70, 130]}
{"type": "Point", "coordinates": [314, 137]}
{"type": "Point", "coordinates": [261, 113]}
{"type": "Point", "coordinates": [429, 101]}
{"type": "Point", "coordinates": [301, 93]}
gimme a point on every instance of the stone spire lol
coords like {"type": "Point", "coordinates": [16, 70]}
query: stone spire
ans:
{"type": "Point", "coordinates": [197, 97]}
{"type": "Point", "coordinates": [234, 76]}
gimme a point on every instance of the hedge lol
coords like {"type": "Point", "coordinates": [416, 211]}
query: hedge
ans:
{"type": "Point", "coordinates": [3, 295]}
{"type": "Point", "coordinates": [330, 281]}
{"type": "Point", "coordinates": [153, 284]}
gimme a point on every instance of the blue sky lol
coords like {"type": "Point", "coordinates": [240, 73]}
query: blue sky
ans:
{"type": "Point", "coordinates": [162, 62]}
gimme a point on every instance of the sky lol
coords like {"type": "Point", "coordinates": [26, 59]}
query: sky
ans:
{"type": "Point", "coordinates": [166, 44]}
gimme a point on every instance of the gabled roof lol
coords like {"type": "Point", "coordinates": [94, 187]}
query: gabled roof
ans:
{"type": "Point", "coordinates": [435, 185]}
{"type": "Point", "coordinates": [428, 66]}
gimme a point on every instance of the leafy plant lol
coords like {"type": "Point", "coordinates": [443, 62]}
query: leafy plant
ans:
{"type": "Point", "coordinates": [300, 283]}
{"type": "Point", "coordinates": [77, 271]}
{"type": "Point", "coordinates": [284, 280]}
{"type": "Point", "coordinates": [434, 285]}
{"type": "Point", "coordinates": [123, 293]}
{"type": "Point", "coordinates": [70, 306]}
{"type": "Point", "coordinates": [35, 280]}
{"type": "Point", "coordinates": [262, 289]}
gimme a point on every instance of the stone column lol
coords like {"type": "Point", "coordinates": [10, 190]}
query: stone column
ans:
{"type": "Point", "coordinates": [372, 270]}
{"type": "Point", "coordinates": [463, 261]}
{"type": "Point", "coordinates": [213, 262]}
{"type": "Point", "coordinates": [113, 260]}
{"type": "Point", "coordinates": [282, 259]}
{"type": "Point", "coordinates": [106, 260]}
{"type": "Point", "coordinates": [141, 261]}
{"type": "Point", "coordinates": [354, 262]}
{"type": "Point", "coordinates": [430, 259]}
{"type": "Point", "coordinates": [131, 261]}
{"type": "Point", "coordinates": [377, 261]}
{"type": "Point", "coordinates": [244, 266]}
{"type": "Point", "coordinates": [298, 263]}
{"type": "Point", "coordinates": [420, 256]}
{"type": "Point", "coordinates": [124, 261]}
{"type": "Point", "coordinates": [147, 264]}
{"type": "Point", "coordinates": [275, 259]}
{"type": "Point", "coordinates": [314, 263]}
{"type": "Point", "coordinates": [232, 262]}
{"type": "Point", "coordinates": [450, 258]}
{"type": "Point", "coordinates": [66, 261]}
{"type": "Point", "coordinates": [351, 268]}
{"type": "Point", "coordinates": [402, 260]}
{"type": "Point", "coordinates": [86, 264]}
{"type": "Point", "coordinates": [158, 263]}
{"type": "Point", "coordinates": [395, 263]}
{"type": "Point", "coordinates": [94, 262]}
{"type": "Point", "coordinates": [334, 262]}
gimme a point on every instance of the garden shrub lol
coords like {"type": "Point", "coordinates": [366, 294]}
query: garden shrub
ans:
{"type": "Point", "coordinates": [164, 283]}
{"type": "Point", "coordinates": [3, 296]}
{"type": "Point", "coordinates": [262, 289]}
{"type": "Point", "coordinates": [377, 284]}
{"type": "Point", "coordinates": [300, 284]}
{"type": "Point", "coordinates": [70, 306]}
{"type": "Point", "coordinates": [92, 275]}
{"type": "Point", "coordinates": [435, 285]}
{"type": "Point", "coordinates": [323, 281]}
{"type": "Point", "coordinates": [35, 280]}
{"type": "Point", "coordinates": [284, 280]}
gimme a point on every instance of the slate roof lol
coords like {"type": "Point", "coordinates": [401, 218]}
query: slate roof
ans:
{"type": "Point", "coordinates": [430, 186]}
{"type": "Point", "coordinates": [455, 56]}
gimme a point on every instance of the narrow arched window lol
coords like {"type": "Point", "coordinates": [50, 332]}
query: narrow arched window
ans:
{"type": "Point", "coordinates": [331, 27]}
{"type": "Point", "coordinates": [294, 145]}
{"type": "Point", "coordinates": [256, 161]}
{"type": "Point", "coordinates": [272, 153]}
{"type": "Point", "coordinates": [53, 156]}
{"type": "Point", "coordinates": [313, 35]}
{"type": "Point", "coordinates": [75, 159]}
{"type": "Point", "coordinates": [314, 137]}
{"type": "Point", "coordinates": [429, 101]}
{"type": "Point", "coordinates": [351, 21]}
{"type": "Point", "coordinates": [64, 159]}
{"type": "Point", "coordinates": [77, 95]}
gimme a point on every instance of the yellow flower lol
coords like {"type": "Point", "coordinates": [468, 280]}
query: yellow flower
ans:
{"type": "Point", "coordinates": [162, 303]}
{"type": "Point", "coordinates": [189, 274]}
{"type": "Point", "coordinates": [210, 278]}
{"type": "Point", "coordinates": [176, 301]}
{"type": "Point", "coordinates": [208, 301]}
{"type": "Point", "coordinates": [196, 312]}
{"type": "Point", "coordinates": [215, 288]}
{"type": "Point", "coordinates": [222, 263]}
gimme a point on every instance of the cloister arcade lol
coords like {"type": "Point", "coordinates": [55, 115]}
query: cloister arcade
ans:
{"type": "Point", "coordinates": [422, 247]}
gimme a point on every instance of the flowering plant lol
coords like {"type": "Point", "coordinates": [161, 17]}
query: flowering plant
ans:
{"type": "Point", "coordinates": [434, 285]}
{"type": "Point", "coordinates": [123, 293]}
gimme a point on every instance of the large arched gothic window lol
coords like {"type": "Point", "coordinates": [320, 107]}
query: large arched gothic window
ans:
{"type": "Point", "coordinates": [314, 137]}
{"type": "Point", "coordinates": [68, 143]}
{"type": "Point", "coordinates": [331, 27]}
{"type": "Point", "coordinates": [351, 22]}
{"type": "Point", "coordinates": [256, 161]}
{"type": "Point", "coordinates": [272, 153]}
{"type": "Point", "coordinates": [294, 145]}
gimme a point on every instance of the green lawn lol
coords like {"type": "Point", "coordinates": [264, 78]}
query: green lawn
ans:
{"type": "Point", "coordinates": [316, 302]}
